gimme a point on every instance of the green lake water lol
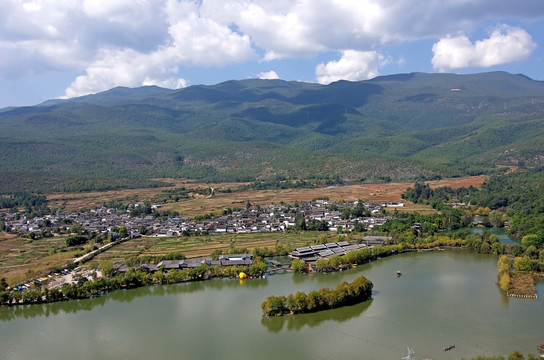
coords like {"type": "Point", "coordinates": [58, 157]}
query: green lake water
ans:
{"type": "Point", "coordinates": [442, 298]}
{"type": "Point", "coordinates": [501, 233]}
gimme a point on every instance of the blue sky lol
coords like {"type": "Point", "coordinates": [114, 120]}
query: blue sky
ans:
{"type": "Point", "coordinates": [67, 48]}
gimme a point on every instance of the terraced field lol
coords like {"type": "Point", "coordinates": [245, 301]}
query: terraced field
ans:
{"type": "Point", "coordinates": [200, 246]}
{"type": "Point", "coordinates": [24, 259]}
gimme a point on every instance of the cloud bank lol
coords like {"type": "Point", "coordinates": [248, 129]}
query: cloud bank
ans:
{"type": "Point", "coordinates": [505, 45]}
{"type": "Point", "coordinates": [132, 43]}
{"type": "Point", "coordinates": [353, 66]}
{"type": "Point", "coordinates": [268, 75]}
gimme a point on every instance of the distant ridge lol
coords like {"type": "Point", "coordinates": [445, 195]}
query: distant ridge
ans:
{"type": "Point", "coordinates": [399, 126]}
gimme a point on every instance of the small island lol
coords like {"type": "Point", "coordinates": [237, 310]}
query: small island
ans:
{"type": "Point", "coordinates": [344, 294]}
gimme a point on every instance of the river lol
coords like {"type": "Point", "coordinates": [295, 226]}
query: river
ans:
{"type": "Point", "coordinates": [442, 298]}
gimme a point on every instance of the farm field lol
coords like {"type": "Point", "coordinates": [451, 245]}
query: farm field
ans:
{"type": "Point", "coordinates": [22, 259]}
{"type": "Point", "coordinates": [201, 246]}
{"type": "Point", "coordinates": [204, 204]}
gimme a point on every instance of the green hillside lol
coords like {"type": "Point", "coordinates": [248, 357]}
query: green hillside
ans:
{"type": "Point", "coordinates": [399, 126]}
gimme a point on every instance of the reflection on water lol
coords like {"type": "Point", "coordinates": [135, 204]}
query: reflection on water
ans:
{"type": "Point", "coordinates": [30, 311]}
{"type": "Point", "coordinates": [124, 296]}
{"type": "Point", "coordinates": [297, 322]}
{"type": "Point", "coordinates": [442, 298]}
{"type": "Point", "coordinates": [505, 300]}
{"type": "Point", "coordinates": [501, 233]}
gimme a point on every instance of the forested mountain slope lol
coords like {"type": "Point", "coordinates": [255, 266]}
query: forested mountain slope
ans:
{"type": "Point", "coordinates": [399, 127]}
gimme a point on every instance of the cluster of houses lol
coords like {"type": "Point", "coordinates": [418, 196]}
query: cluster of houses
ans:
{"type": "Point", "coordinates": [224, 260]}
{"type": "Point", "coordinates": [307, 254]}
{"type": "Point", "coordinates": [322, 251]}
{"type": "Point", "coordinates": [167, 265]}
{"type": "Point", "coordinates": [271, 218]}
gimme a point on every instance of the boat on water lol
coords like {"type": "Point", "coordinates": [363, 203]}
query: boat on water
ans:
{"type": "Point", "coordinates": [540, 347]}
{"type": "Point", "coordinates": [448, 348]}
{"type": "Point", "coordinates": [410, 355]}
{"type": "Point", "coordinates": [398, 273]}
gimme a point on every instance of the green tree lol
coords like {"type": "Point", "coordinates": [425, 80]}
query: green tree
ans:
{"type": "Point", "coordinates": [258, 267]}
{"type": "Point", "coordinates": [532, 252]}
{"type": "Point", "coordinates": [290, 303]}
{"type": "Point", "coordinates": [215, 254]}
{"type": "Point", "coordinates": [3, 284]}
{"type": "Point", "coordinates": [313, 301]}
{"type": "Point", "coordinates": [322, 264]}
{"type": "Point", "coordinates": [531, 239]}
{"type": "Point", "coordinates": [77, 229]}
{"type": "Point", "coordinates": [76, 240]}
{"type": "Point", "coordinates": [359, 227]}
{"type": "Point", "coordinates": [300, 222]}
{"type": "Point", "coordinates": [274, 306]}
{"type": "Point", "coordinates": [5, 298]}
{"type": "Point", "coordinates": [516, 355]}
{"type": "Point", "coordinates": [335, 261]}
{"type": "Point", "coordinates": [300, 301]}
{"type": "Point", "coordinates": [159, 278]}
{"type": "Point", "coordinates": [485, 248]}
{"type": "Point", "coordinates": [107, 268]}
{"type": "Point", "coordinates": [123, 233]}
{"type": "Point", "coordinates": [495, 218]}
{"type": "Point", "coordinates": [504, 282]}
{"type": "Point", "coordinates": [523, 263]}
{"type": "Point", "coordinates": [299, 266]}
{"type": "Point", "coordinates": [504, 264]}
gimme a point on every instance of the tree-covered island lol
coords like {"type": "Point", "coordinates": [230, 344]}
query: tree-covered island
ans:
{"type": "Point", "coordinates": [344, 294]}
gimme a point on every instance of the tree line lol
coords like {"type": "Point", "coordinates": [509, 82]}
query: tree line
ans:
{"type": "Point", "coordinates": [133, 278]}
{"type": "Point", "coordinates": [33, 204]}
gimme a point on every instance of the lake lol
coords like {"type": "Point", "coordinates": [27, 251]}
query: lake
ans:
{"type": "Point", "coordinates": [442, 298]}
{"type": "Point", "coordinates": [501, 233]}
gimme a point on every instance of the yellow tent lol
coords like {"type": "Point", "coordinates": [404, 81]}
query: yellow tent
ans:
{"type": "Point", "coordinates": [243, 275]}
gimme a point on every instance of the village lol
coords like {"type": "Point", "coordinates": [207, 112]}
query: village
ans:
{"type": "Point", "coordinates": [327, 215]}
{"type": "Point", "coordinates": [323, 215]}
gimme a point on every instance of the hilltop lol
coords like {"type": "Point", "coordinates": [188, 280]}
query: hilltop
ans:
{"type": "Point", "coordinates": [397, 127]}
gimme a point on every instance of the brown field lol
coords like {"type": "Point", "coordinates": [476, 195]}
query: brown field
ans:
{"type": "Point", "coordinates": [22, 259]}
{"type": "Point", "coordinates": [523, 284]}
{"type": "Point", "coordinates": [202, 204]}
{"type": "Point", "coordinates": [368, 192]}
{"type": "Point", "coordinates": [94, 199]}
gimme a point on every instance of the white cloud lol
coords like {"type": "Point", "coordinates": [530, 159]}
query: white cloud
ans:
{"type": "Point", "coordinates": [193, 40]}
{"type": "Point", "coordinates": [505, 45]}
{"type": "Point", "coordinates": [352, 66]}
{"type": "Point", "coordinates": [96, 36]}
{"type": "Point", "coordinates": [305, 27]}
{"type": "Point", "coordinates": [38, 36]}
{"type": "Point", "coordinates": [126, 68]}
{"type": "Point", "coordinates": [269, 75]}
{"type": "Point", "coordinates": [203, 42]}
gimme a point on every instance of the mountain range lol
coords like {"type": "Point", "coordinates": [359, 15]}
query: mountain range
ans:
{"type": "Point", "coordinates": [399, 127]}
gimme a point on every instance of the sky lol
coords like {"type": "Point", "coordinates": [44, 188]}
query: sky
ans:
{"type": "Point", "coordinates": [67, 48]}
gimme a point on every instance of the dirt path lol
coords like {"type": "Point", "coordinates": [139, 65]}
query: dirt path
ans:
{"type": "Point", "coordinates": [83, 257]}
